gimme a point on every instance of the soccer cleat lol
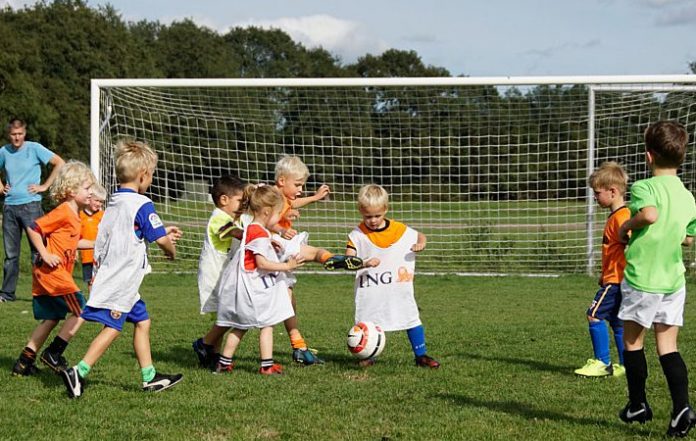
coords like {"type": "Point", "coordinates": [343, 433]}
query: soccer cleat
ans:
{"type": "Point", "coordinates": [22, 369]}
{"type": "Point", "coordinates": [343, 262]}
{"type": "Point", "coordinates": [56, 362]}
{"type": "Point", "coordinates": [73, 382]}
{"type": "Point", "coordinates": [681, 423]}
{"type": "Point", "coordinates": [205, 356]}
{"type": "Point", "coordinates": [636, 414]}
{"type": "Point", "coordinates": [595, 368]}
{"type": "Point", "coordinates": [305, 357]}
{"type": "Point", "coordinates": [367, 362]}
{"type": "Point", "coordinates": [619, 370]}
{"type": "Point", "coordinates": [429, 362]}
{"type": "Point", "coordinates": [275, 369]}
{"type": "Point", "coordinates": [221, 368]}
{"type": "Point", "coordinates": [161, 382]}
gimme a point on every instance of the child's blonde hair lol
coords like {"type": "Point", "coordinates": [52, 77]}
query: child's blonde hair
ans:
{"type": "Point", "coordinates": [609, 174]}
{"type": "Point", "coordinates": [258, 197]}
{"type": "Point", "coordinates": [373, 195]}
{"type": "Point", "coordinates": [133, 158]}
{"type": "Point", "coordinates": [71, 177]}
{"type": "Point", "coordinates": [98, 192]}
{"type": "Point", "coordinates": [291, 166]}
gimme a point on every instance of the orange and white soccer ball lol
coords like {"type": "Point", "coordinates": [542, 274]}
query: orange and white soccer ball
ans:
{"type": "Point", "coordinates": [365, 340]}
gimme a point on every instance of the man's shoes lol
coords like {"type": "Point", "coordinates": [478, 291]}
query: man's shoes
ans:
{"type": "Point", "coordinates": [636, 414]}
{"type": "Point", "coordinates": [595, 368]}
{"type": "Point", "coordinates": [619, 370]}
{"type": "Point", "coordinates": [429, 362]}
{"type": "Point", "coordinates": [56, 362]}
{"type": "Point", "coordinates": [343, 262]}
{"type": "Point", "coordinates": [681, 423]}
{"type": "Point", "coordinates": [305, 357]}
{"type": "Point", "coordinates": [275, 369]}
{"type": "Point", "coordinates": [161, 382]}
{"type": "Point", "coordinates": [73, 382]}
{"type": "Point", "coordinates": [23, 369]}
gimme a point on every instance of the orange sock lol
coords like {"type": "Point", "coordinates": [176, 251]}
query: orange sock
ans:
{"type": "Point", "coordinates": [326, 255]}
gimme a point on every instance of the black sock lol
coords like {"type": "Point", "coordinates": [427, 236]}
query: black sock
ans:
{"type": "Point", "coordinates": [677, 379]}
{"type": "Point", "coordinates": [636, 375]}
{"type": "Point", "coordinates": [28, 355]}
{"type": "Point", "coordinates": [57, 346]}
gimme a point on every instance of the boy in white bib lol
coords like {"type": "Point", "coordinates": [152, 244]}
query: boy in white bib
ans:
{"type": "Point", "coordinates": [384, 287]}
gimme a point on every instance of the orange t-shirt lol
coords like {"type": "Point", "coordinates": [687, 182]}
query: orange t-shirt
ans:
{"type": "Point", "coordinates": [385, 237]}
{"type": "Point", "coordinates": [254, 231]}
{"type": "Point", "coordinates": [60, 229]}
{"type": "Point", "coordinates": [613, 258]}
{"type": "Point", "coordinates": [285, 223]}
{"type": "Point", "coordinates": [90, 228]}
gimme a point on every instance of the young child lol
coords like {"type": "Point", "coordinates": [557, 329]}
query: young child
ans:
{"type": "Point", "coordinates": [290, 177]}
{"type": "Point", "coordinates": [663, 217]}
{"type": "Point", "coordinates": [56, 237]}
{"type": "Point", "coordinates": [90, 217]}
{"type": "Point", "coordinates": [384, 288]}
{"type": "Point", "coordinates": [129, 223]}
{"type": "Point", "coordinates": [253, 287]}
{"type": "Point", "coordinates": [609, 183]}
{"type": "Point", "coordinates": [222, 234]}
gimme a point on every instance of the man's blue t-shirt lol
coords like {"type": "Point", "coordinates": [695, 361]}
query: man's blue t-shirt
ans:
{"type": "Point", "coordinates": [22, 169]}
{"type": "Point", "coordinates": [147, 223]}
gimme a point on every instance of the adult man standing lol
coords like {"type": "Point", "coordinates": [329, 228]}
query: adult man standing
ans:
{"type": "Point", "coordinates": [22, 188]}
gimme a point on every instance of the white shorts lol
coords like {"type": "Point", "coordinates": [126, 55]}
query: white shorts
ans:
{"type": "Point", "coordinates": [647, 308]}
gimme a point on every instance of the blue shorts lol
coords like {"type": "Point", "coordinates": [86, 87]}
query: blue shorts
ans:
{"type": "Point", "coordinates": [606, 303]}
{"type": "Point", "coordinates": [57, 307]}
{"type": "Point", "coordinates": [87, 272]}
{"type": "Point", "coordinates": [116, 319]}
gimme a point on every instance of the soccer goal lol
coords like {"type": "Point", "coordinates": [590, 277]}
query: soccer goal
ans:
{"type": "Point", "coordinates": [493, 170]}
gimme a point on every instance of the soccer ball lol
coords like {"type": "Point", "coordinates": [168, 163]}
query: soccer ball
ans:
{"type": "Point", "coordinates": [366, 340]}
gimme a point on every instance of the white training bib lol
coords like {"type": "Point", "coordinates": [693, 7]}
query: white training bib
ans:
{"type": "Point", "coordinates": [384, 295]}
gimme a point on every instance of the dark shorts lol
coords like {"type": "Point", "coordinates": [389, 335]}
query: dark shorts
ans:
{"type": "Point", "coordinates": [116, 319]}
{"type": "Point", "coordinates": [87, 272]}
{"type": "Point", "coordinates": [606, 303]}
{"type": "Point", "coordinates": [58, 307]}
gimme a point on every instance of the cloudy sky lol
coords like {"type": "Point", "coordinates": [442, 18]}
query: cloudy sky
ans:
{"type": "Point", "coordinates": [469, 37]}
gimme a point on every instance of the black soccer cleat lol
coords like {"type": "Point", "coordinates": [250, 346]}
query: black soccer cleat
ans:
{"type": "Point", "coordinates": [681, 423]}
{"type": "Point", "coordinates": [636, 414]}
{"type": "Point", "coordinates": [161, 382]}
{"type": "Point", "coordinates": [206, 357]}
{"type": "Point", "coordinates": [339, 261]}
{"type": "Point", "coordinates": [56, 362]}
{"type": "Point", "coordinates": [24, 369]}
{"type": "Point", "coordinates": [74, 384]}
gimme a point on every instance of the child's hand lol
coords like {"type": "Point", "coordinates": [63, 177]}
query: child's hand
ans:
{"type": "Point", "coordinates": [624, 233]}
{"type": "Point", "coordinates": [277, 246]}
{"type": "Point", "coordinates": [4, 189]}
{"type": "Point", "coordinates": [293, 214]}
{"type": "Point", "coordinates": [289, 233]}
{"type": "Point", "coordinates": [418, 247]}
{"type": "Point", "coordinates": [295, 262]}
{"type": "Point", "coordinates": [174, 233]}
{"type": "Point", "coordinates": [372, 262]}
{"type": "Point", "coordinates": [51, 260]}
{"type": "Point", "coordinates": [322, 192]}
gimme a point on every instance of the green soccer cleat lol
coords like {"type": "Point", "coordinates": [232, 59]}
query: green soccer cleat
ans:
{"type": "Point", "coordinates": [595, 368]}
{"type": "Point", "coordinates": [619, 370]}
{"type": "Point", "coordinates": [338, 261]}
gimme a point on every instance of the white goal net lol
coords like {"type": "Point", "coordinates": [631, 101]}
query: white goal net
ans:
{"type": "Point", "coordinates": [493, 170]}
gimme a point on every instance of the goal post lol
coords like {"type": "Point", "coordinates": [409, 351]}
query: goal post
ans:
{"type": "Point", "coordinates": [493, 170]}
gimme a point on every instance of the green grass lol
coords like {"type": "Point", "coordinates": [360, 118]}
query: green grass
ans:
{"type": "Point", "coordinates": [508, 347]}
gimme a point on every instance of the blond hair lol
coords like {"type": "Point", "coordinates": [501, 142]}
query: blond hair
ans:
{"type": "Point", "coordinates": [133, 158]}
{"type": "Point", "coordinates": [373, 196]}
{"type": "Point", "coordinates": [609, 174]}
{"type": "Point", "coordinates": [71, 177]}
{"type": "Point", "coordinates": [98, 192]}
{"type": "Point", "coordinates": [258, 197]}
{"type": "Point", "coordinates": [291, 166]}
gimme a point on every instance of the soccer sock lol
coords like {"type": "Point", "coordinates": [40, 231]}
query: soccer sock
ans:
{"type": "Point", "coordinates": [417, 338]}
{"type": "Point", "coordinates": [325, 255]}
{"type": "Point", "coordinates": [57, 346]}
{"type": "Point", "coordinates": [617, 327]}
{"type": "Point", "coordinates": [266, 363]}
{"type": "Point", "coordinates": [224, 361]}
{"type": "Point", "coordinates": [28, 355]}
{"type": "Point", "coordinates": [83, 369]}
{"type": "Point", "coordinates": [297, 342]}
{"type": "Point", "coordinates": [677, 379]}
{"type": "Point", "coordinates": [148, 373]}
{"type": "Point", "coordinates": [636, 374]}
{"type": "Point", "coordinates": [600, 341]}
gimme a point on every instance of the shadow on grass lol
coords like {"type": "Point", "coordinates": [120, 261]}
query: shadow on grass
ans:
{"type": "Point", "coordinates": [533, 364]}
{"type": "Point", "coordinates": [528, 412]}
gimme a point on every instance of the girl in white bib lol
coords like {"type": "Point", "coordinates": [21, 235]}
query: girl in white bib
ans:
{"type": "Point", "coordinates": [253, 288]}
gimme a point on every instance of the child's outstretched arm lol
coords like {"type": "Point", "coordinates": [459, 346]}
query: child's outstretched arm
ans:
{"type": "Point", "coordinates": [267, 265]}
{"type": "Point", "coordinates": [37, 240]}
{"type": "Point", "coordinates": [646, 216]}
{"type": "Point", "coordinates": [167, 243]}
{"type": "Point", "coordinates": [420, 243]}
{"type": "Point", "coordinates": [321, 193]}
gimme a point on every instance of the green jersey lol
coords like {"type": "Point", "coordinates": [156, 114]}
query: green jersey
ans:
{"type": "Point", "coordinates": [654, 255]}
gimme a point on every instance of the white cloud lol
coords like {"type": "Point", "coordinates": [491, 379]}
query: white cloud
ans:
{"type": "Point", "coordinates": [681, 16]}
{"type": "Point", "coordinates": [345, 38]}
{"type": "Point", "coordinates": [15, 4]}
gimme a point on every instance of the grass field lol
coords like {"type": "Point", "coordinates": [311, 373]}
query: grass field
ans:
{"type": "Point", "coordinates": [508, 347]}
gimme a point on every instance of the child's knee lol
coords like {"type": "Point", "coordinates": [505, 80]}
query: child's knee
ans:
{"type": "Point", "coordinates": [143, 326]}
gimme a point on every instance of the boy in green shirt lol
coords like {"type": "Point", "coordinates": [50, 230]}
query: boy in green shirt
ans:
{"type": "Point", "coordinates": [663, 218]}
